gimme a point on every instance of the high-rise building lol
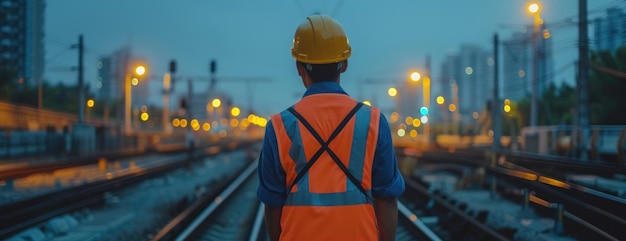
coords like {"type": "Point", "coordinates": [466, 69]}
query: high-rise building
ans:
{"type": "Point", "coordinates": [22, 39]}
{"type": "Point", "coordinates": [610, 31]}
{"type": "Point", "coordinates": [104, 88]}
{"type": "Point", "coordinates": [448, 76]}
{"type": "Point", "coordinates": [473, 74]}
{"type": "Point", "coordinates": [518, 63]}
{"type": "Point", "coordinates": [466, 84]}
{"type": "Point", "coordinates": [111, 73]}
{"type": "Point", "coordinates": [517, 66]}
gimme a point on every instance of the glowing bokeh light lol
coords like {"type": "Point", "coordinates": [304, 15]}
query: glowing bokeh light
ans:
{"type": "Point", "coordinates": [417, 123]}
{"type": "Point", "coordinates": [392, 92]}
{"type": "Point", "coordinates": [216, 103]}
{"type": "Point", "coordinates": [424, 119]}
{"type": "Point", "coordinates": [408, 120]}
{"type": "Point", "coordinates": [415, 76]}
{"type": "Point", "coordinates": [533, 8]}
{"type": "Point", "coordinates": [452, 107]}
{"type": "Point", "coordinates": [401, 132]}
{"type": "Point", "coordinates": [140, 70]}
{"type": "Point", "coordinates": [440, 100]}
{"type": "Point", "coordinates": [235, 111]}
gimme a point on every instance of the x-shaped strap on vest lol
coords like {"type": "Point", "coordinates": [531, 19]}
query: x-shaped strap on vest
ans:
{"type": "Point", "coordinates": [325, 147]}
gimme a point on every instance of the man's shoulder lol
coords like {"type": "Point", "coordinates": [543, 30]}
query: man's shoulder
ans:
{"type": "Point", "coordinates": [277, 114]}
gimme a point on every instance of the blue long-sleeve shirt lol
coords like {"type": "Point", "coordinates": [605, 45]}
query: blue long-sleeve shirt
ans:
{"type": "Point", "coordinates": [386, 179]}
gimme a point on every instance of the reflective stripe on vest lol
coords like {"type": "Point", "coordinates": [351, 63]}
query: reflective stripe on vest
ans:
{"type": "Point", "coordinates": [355, 193]}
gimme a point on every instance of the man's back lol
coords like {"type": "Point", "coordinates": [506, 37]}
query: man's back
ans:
{"type": "Point", "coordinates": [335, 192]}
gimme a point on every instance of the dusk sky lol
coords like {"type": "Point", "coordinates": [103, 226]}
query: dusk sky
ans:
{"type": "Point", "coordinates": [251, 39]}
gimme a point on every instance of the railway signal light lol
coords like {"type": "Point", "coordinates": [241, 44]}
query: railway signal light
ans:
{"type": "Point", "coordinates": [173, 66]}
{"type": "Point", "coordinates": [213, 66]}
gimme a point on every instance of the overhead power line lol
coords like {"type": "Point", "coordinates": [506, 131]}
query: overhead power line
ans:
{"type": "Point", "coordinates": [608, 71]}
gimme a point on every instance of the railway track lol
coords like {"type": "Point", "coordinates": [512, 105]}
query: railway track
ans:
{"type": "Point", "coordinates": [233, 212]}
{"type": "Point", "coordinates": [29, 212]}
{"type": "Point", "coordinates": [237, 214]}
{"type": "Point", "coordinates": [587, 213]}
{"type": "Point", "coordinates": [51, 166]}
{"type": "Point", "coordinates": [448, 221]}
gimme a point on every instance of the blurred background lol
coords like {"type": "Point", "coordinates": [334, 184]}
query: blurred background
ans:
{"type": "Point", "coordinates": [80, 59]}
{"type": "Point", "coordinates": [178, 93]}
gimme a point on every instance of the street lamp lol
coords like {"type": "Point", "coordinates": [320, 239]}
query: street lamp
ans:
{"type": "Point", "coordinates": [535, 10]}
{"type": "Point", "coordinates": [139, 70]}
{"type": "Point", "coordinates": [167, 80]}
{"type": "Point", "coordinates": [415, 77]}
{"type": "Point", "coordinates": [211, 107]}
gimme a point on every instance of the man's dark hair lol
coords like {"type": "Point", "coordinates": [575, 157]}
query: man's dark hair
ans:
{"type": "Point", "coordinates": [322, 72]}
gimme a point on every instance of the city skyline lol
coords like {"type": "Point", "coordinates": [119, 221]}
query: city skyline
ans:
{"type": "Point", "coordinates": [255, 41]}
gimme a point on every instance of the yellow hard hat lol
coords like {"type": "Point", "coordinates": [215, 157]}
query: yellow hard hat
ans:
{"type": "Point", "coordinates": [320, 40]}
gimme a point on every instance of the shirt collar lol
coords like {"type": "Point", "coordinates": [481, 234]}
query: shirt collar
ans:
{"type": "Point", "coordinates": [324, 88]}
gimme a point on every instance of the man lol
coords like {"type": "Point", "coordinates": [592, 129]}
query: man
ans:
{"type": "Point", "coordinates": [327, 168]}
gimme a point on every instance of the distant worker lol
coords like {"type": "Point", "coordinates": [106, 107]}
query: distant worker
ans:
{"type": "Point", "coordinates": [327, 167]}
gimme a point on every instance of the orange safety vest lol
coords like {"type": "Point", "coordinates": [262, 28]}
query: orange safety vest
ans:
{"type": "Point", "coordinates": [326, 145]}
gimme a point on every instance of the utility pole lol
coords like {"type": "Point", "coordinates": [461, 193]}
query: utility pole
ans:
{"type": "Point", "coordinates": [426, 98]}
{"type": "Point", "coordinates": [456, 116]}
{"type": "Point", "coordinates": [167, 79]}
{"type": "Point", "coordinates": [83, 135]}
{"type": "Point", "coordinates": [535, 78]}
{"type": "Point", "coordinates": [167, 88]}
{"type": "Point", "coordinates": [81, 85]}
{"type": "Point", "coordinates": [495, 101]}
{"type": "Point", "coordinates": [583, 78]}
{"type": "Point", "coordinates": [212, 80]}
{"type": "Point", "coordinates": [189, 133]}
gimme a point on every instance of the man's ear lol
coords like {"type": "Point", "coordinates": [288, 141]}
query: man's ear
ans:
{"type": "Point", "coordinates": [301, 70]}
{"type": "Point", "coordinates": [344, 66]}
